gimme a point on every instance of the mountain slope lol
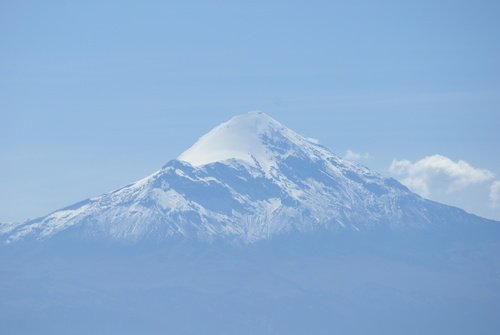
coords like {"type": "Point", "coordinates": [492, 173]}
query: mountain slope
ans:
{"type": "Point", "coordinates": [248, 179]}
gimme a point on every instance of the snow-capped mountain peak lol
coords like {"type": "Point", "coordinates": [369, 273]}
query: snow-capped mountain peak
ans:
{"type": "Point", "coordinates": [247, 137]}
{"type": "Point", "coordinates": [247, 179]}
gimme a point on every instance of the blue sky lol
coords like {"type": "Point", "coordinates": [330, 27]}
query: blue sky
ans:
{"type": "Point", "coordinates": [94, 95]}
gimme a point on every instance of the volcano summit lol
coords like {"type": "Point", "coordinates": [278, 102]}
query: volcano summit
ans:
{"type": "Point", "coordinates": [248, 179]}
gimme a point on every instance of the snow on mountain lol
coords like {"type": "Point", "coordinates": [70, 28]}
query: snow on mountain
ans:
{"type": "Point", "coordinates": [6, 227]}
{"type": "Point", "coordinates": [247, 179]}
{"type": "Point", "coordinates": [248, 138]}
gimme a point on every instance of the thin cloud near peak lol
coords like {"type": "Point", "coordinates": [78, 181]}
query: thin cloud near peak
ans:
{"type": "Point", "coordinates": [356, 156]}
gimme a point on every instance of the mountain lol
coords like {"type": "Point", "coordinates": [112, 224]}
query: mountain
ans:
{"type": "Point", "coordinates": [301, 242]}
{"type": "Point", "coordinates": [248, 179]}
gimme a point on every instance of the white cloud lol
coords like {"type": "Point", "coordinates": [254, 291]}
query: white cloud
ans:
{"type": "Point", "coordinates": [495, 193]}
{"type": "Point", "coordinates": [355, 156]}
{"type": "Point", "coordinates": [438, 173]}
{"type": "Point", "coordinates": [313, 140]}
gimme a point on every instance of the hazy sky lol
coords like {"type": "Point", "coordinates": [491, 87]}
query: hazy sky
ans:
{"type": "Point", "coordinates": [95, 95]}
